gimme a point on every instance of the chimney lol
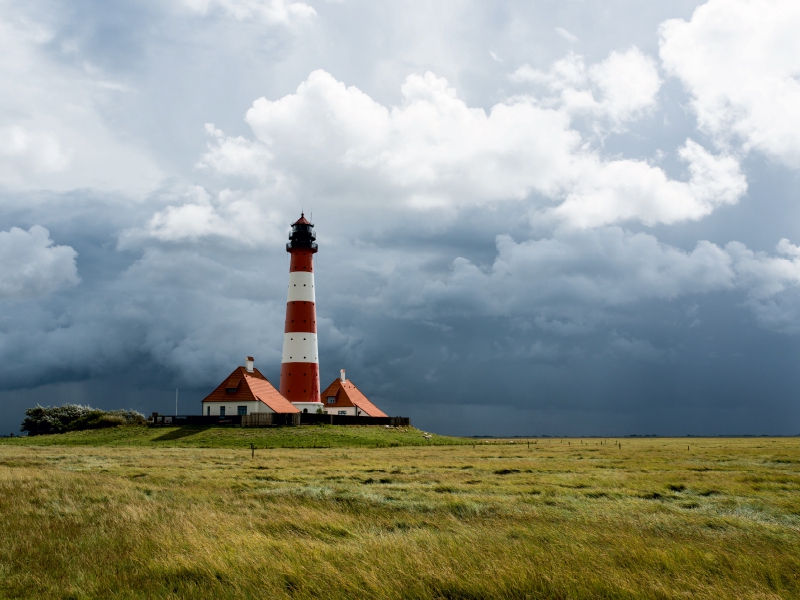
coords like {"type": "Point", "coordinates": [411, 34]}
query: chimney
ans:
{"type": "Point", "coordinates": [248, 364]}
{"type": "Point", "coordinates": [341, 376]}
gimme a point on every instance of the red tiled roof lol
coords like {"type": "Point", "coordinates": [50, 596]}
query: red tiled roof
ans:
{"type": "Point", "coordinates": [335, 390]}
{"type": "Point", "coordinates": [347, 394]}
{"type": "Point", "coordinates": [267, 393]}
{"type": "Point", "coordinates": [256, 387]}
{"type": "Point", "coordinates": [302, 220]}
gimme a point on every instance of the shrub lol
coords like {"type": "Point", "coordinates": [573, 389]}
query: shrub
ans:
{"type": "Point", "coordinates": [75, 417]}
{"type": "Point", "coordinates": [96, 419]}
{"type": "Point", "coordinates": [42, 420]}
{"type": "Point", "coordinates": [131, 417]}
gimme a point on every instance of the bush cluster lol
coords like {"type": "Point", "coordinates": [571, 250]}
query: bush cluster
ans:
{"type": "Point", "coordinates": [75, 417]}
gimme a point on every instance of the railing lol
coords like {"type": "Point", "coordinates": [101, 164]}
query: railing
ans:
{"type": "Point", "coordinates": [318, 419]}
{"type": "Point", "coordinates": [274, 419]}
{"type": "Point", "coordinates": [312, 245]}
{"type": "Point", "coordinates": [172, 421]}
{"type": "Point", "coordinates": [270, 419]}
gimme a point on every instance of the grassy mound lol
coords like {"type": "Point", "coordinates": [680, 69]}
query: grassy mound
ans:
{"type": "Point", "coordinates": [304, 436]}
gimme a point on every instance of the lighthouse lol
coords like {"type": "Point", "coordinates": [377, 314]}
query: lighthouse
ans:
{"type": "Point", "coordinates": [246, 391]}
{"type": "Point", "coordinates": [300, 361]}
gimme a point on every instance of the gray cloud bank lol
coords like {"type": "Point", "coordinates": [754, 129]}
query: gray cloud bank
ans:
{"type": "Point", "coordinates": [528, 223]}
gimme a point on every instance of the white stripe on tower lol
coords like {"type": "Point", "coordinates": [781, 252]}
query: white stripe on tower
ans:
{"type": "Point", "coordinates": [300, 347]}
{"type": "Point", "coordinates": [301, 287]}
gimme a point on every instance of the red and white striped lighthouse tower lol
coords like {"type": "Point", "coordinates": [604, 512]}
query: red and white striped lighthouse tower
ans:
{"type": "Point", "coordinates": [300, 363]}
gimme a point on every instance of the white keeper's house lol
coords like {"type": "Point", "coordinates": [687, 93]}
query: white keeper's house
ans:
{"type": "Point", "coordinates": [244, 392]}
{"type": "Point", "coordinates": [342, 397]}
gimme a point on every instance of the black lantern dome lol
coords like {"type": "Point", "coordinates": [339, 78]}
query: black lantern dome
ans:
{"type": "Point", "coordinates": [302, 235]}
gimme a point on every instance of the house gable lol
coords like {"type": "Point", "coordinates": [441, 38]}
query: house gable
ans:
{"type": "Point", "coordinates": [334, 390]}
{"type": "Point", "coordinates": [243, 386]}
{"type": "Point", "coordinates": [348, 395]}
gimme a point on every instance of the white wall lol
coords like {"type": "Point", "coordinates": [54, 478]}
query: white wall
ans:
{"type": "Point", "coordinates": [231, 407]}
{"type": "Point", "coordinates": [311, 406]}
{"type": "Point", "coordinates": [350, 410]}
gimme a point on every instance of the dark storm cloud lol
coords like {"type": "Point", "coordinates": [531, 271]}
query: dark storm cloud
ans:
{"type": "Point", "coordinates": [535, 237]}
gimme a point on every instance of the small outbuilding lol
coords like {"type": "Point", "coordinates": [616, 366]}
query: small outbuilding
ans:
{"type": "Point", "coordinates": [244, 392]}
{"type": "Point", "coordinates": [342, 397]}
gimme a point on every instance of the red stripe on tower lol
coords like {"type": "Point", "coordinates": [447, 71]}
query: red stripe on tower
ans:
{"type": "Point", "coordinates": [300, 363]}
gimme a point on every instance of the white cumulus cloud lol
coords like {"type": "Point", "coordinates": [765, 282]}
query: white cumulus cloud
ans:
{"type": "Point", "coordinates": [235, 155]}
{"type": "Point", "coordinates": [54, 131]}
{"type": "Point", "coordinates": [30, 265]}
{"type": "Point", "coordinates": [268, 11]}
{"type": "Point", "coordinates": [606, 192]}
{"type": "Point", "coordinates": [570, 282]}
{"type": "Point", "coordinates": [433, 151]}
{"type": "Point", "coordinates": [740, 62]}
{"type": "Point", "coordinates": [40, 151]}
{"type": "Point", "coordinates": [620, 88]}
{"type": "Point", "coordinates": [197, 214]}
{"type": "Point", "coordinates": [597, 268]}
{"type": "Point", "coordinates": [565, 282]}
{"type": "Point", "coordinates": [772, 283]}
{"type": "Point", "coordinates": [566, 34]}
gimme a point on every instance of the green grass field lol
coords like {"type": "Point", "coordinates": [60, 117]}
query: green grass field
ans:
{"type": "Point", "coordinates": [577, 519]}
{"type": "Point", "coordinates": [305, 436]}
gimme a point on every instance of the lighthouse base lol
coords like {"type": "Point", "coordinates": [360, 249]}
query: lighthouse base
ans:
{"type": "Point", "coordinates": [310, 407]}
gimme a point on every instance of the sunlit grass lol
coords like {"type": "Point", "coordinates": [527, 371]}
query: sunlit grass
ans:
{"type": "Point", "coordinates": [305, 436]}
{"type": "Point", "coordinates": [647, 520]}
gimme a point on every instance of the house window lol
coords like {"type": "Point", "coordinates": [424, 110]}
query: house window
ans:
{"type": "Point", "coordinates": [221, 411]}
{"type": "Point", "coordinates": [331, 399]}
{"type": "Point", "coordinates": [241, 410]}
{"type": "Point", "coordinates": [208, 411]}
{"type": "Point", "coordinates": [342, 412]}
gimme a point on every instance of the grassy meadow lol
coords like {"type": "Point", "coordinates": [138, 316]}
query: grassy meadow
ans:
{"type": "Point", "coordinates": [571, 519]}
{"type": "Point", "coordinates": [304, 436]}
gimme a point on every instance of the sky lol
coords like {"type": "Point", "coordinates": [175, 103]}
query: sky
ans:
{"type": "Point", "coordinates": [534, 217]}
